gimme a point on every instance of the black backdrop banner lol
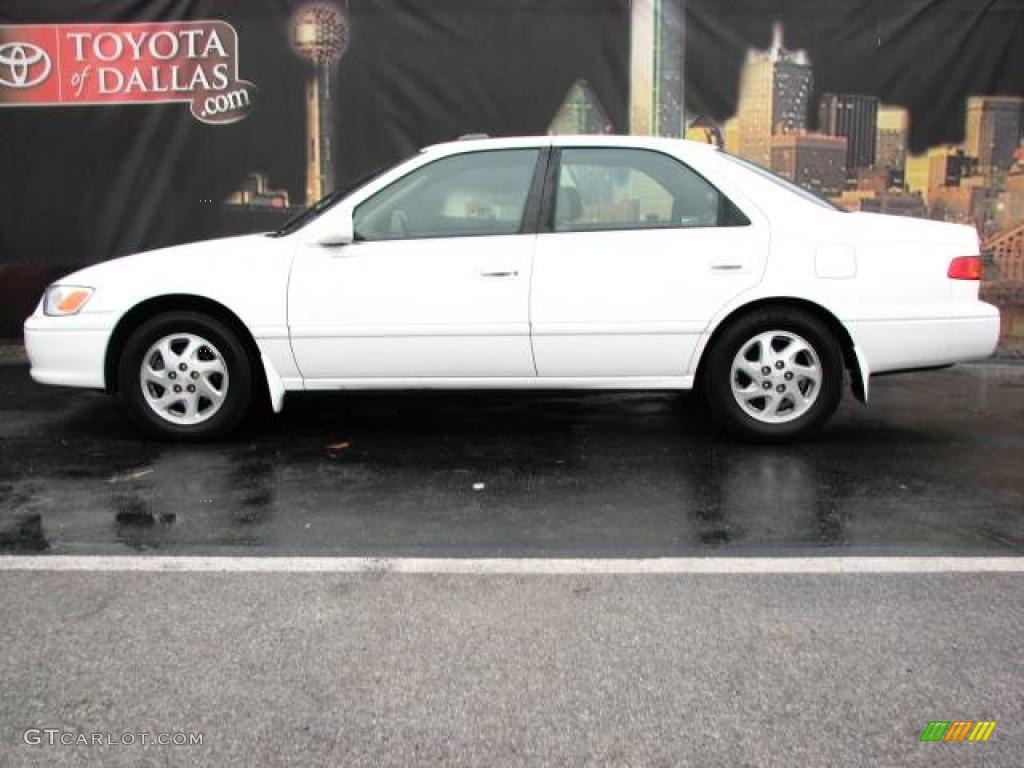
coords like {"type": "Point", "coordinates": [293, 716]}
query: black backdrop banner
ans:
{"type": "Point", "coordinates": [127, 126]}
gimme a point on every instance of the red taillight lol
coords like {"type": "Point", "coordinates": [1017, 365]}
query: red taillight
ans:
{"type": "Point", "coordinates": [965, 268]}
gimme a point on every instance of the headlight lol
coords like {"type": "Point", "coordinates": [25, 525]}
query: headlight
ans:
{"type": "Point", "coordinates": [65, 299]}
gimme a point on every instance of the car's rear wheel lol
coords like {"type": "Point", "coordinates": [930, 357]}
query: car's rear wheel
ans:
{"type": "Point", "coordinates": [185, 376]}
{"type": "Point", "coordinates": [773, 375]}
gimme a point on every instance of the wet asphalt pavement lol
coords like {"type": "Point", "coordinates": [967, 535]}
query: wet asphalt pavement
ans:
{"type": "Point", "coordinates": [933, 465]}
{"type": "Point", "coordinates": [382, 669]}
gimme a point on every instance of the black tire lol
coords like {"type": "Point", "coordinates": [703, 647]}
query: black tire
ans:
{"type": "Point", "coordinates": [717, 374]}
{"type": "Point", "coordinates": [237, 399]}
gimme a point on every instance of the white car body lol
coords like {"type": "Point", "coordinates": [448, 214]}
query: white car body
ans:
{"type": "Point", "coordinates": [611, 309]}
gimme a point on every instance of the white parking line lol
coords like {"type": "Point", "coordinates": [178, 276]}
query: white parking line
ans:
{"type": "Point", "coordinates": [515, 566]}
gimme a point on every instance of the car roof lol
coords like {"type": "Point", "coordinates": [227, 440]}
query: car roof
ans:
{"type": "Point", "coordinates": [474, 143]}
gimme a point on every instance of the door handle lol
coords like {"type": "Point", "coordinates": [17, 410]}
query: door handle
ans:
{"type": "Point", "coordinates": [510, 273]}
{"type": "Point", "coordinates": [720, 267]}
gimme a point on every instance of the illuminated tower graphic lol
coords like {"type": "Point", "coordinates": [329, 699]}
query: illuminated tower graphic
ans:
{"type": "Point", "coordinates": [319, 33]}
{"type": "Point", "coordinates": [775, 86]}
{"type": "Point", "coordinates": [657, 76]}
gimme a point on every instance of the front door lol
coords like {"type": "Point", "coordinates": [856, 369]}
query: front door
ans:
{"type": "Point", "coordinates": [435, 285]}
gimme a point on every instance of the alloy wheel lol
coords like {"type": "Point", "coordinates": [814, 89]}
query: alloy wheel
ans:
{"type": "Point", "coordinates": [184, 379]}
{"type": "Point", "coordinates": [776, 376]}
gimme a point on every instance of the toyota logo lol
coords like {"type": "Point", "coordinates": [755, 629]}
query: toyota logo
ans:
{"type": "Point", "coordinates": [23, 65]}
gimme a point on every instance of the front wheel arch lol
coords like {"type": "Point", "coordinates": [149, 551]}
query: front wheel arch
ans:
{"type": "Point", "coordinates": [842, 335]}
{"type": "Point", "coordinates": [143, 311]}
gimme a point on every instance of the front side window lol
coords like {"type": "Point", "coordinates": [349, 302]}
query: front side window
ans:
{"type": "Point", "coordinates": [477, 193]}
{"type": "Point", "coordinates": [613, 188]}
{"type": "Point", "coordinates": [328, 201]}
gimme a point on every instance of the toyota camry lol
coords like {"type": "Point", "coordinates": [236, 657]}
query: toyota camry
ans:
{"type": "Point", "coordinates": [550, 262]}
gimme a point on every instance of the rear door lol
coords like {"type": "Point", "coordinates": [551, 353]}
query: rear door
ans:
{"type": "Point", "coordinates": [636, 255]}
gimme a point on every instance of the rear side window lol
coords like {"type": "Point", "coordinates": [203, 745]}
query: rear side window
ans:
{"type": "Point", "coordinates": [622, 188]}
{"type": "Point", "coordinates": [476, 193]}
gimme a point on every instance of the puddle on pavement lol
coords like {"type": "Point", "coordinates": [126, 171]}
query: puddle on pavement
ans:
{"type": "Point", "coordinates": [24, 534]}
{"type": "Point", "coordinates": [136, 511]}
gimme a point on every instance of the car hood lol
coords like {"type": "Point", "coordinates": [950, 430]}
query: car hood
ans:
{"type": "Point", "coordinates": [242, 273]}
{"type": "Point", "coordinates": [175, 256]}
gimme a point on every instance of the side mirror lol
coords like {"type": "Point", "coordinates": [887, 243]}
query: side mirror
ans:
{"type": "Point", "coordinates": [338, 233]}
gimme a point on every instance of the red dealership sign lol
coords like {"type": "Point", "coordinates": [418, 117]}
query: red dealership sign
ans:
{"type": "Point", "coordinates": [75, 64]}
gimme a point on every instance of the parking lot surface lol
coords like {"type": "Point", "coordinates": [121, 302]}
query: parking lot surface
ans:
{"type": "Point", "coordinates": [582, 667]}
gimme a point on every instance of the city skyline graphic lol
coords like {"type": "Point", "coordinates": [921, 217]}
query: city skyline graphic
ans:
{"type": "Point", "coordinates": [857, 156]}
{"type": "Point", "coordinates": [910, 110]}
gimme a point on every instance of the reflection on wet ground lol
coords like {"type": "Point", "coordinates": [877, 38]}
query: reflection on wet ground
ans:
{"type": "Point", "coordinates": [932, 465]}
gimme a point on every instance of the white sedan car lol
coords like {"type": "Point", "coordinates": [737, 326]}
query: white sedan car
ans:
{"type": "Point", "coordinates": [551, 262]}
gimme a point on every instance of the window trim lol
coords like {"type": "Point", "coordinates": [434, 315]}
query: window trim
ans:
{"type": "Point", "coordinates": [547, 218]}
{"type": "Point", "coordinates": [531, 206]}
{"type": "Point", "coordinates": [530, 224]}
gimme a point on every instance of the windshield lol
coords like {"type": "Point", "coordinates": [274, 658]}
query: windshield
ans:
{"type": "Point", "coordinates": [303, 217]}
{"type": "Point", "coordinates": [807, 194]}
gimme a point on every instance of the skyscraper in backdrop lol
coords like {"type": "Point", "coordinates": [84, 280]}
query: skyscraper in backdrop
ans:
{"type": "Point", "coordinates": [993, 130]}
{"type": "Point", "coordinates": [580, 112]}
{"type": "Point", "coordinates": [892, 131]}
{"type": "Point", "coordinates": [657, 76]}
{"type": "Point", "coordinates": [854, 116]}
{"type": "Point", "coordinates": [775, 86]}
{"type": "Point", "coordinates": [812, 160]}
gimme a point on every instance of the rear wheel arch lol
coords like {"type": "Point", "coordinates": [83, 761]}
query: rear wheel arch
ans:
{"type": "Point", "coordinates": [149, 308]}
{"type": "Point", "coordinates": [827, 318]}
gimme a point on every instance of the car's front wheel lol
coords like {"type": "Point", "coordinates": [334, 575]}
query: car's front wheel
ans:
{"type": "Point", "coordinates": [186, 376]}
{"type": "Point", "coordinates": [774, 374]}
